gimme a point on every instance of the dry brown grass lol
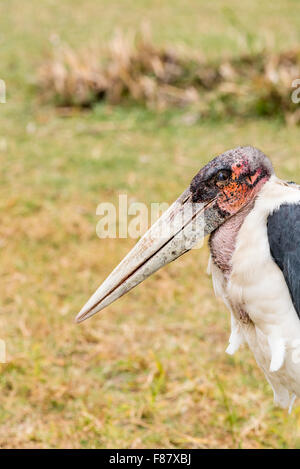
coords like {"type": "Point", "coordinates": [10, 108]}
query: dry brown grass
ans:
{"type": "Point", "coordinates": [137, 70]}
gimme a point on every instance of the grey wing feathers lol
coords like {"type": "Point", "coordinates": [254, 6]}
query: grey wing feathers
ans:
{"type": "Point", "coordinates": [284, 241]}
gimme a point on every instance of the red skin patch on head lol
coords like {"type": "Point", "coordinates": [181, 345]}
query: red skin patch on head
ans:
{"type": "Point", "coordinates": [252, 179]}
{"type": "Point", "coordinates": [237, 170]}
{"type": "Point", "coordinates": [237, 193]}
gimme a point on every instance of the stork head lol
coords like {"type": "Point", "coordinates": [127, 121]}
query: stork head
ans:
{"type": "Point", "coordinates": [220, 190]}
{"type": "Point", "coordinates": [233, 178]}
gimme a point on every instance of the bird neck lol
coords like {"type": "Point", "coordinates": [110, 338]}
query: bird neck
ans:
{"type": "Point", "coordinates": [223, 240]}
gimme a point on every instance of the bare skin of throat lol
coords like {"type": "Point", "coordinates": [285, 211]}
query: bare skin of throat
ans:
{"type": "Point", "coordinates": [222, 245]}
{"type": "Point", "coordinates": [222, 241]}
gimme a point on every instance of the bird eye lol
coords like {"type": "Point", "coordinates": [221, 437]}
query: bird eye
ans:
{"type": "Point", "coordinates": [222, 177]}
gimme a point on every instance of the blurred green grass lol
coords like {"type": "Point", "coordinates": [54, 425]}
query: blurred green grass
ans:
{"type": "Point", "coordinates": [151, 370]}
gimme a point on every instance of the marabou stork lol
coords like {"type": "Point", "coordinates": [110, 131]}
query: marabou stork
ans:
{"type": "Point", "coordinates": [253, 219]}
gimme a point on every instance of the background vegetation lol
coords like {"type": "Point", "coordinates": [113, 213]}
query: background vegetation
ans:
{"type": "Point", "coordinates": [150, 371]}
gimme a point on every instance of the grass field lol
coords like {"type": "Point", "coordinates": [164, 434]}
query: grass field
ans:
{"type": "Point", "coordinates": [150, 371]}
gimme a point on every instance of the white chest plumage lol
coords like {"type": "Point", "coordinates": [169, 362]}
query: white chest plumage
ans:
{"type": "Point", "coordinates": [262, 312]}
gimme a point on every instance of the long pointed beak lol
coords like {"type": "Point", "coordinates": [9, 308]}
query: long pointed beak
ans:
{"type": "Point", "coordinates": [177, 231]}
